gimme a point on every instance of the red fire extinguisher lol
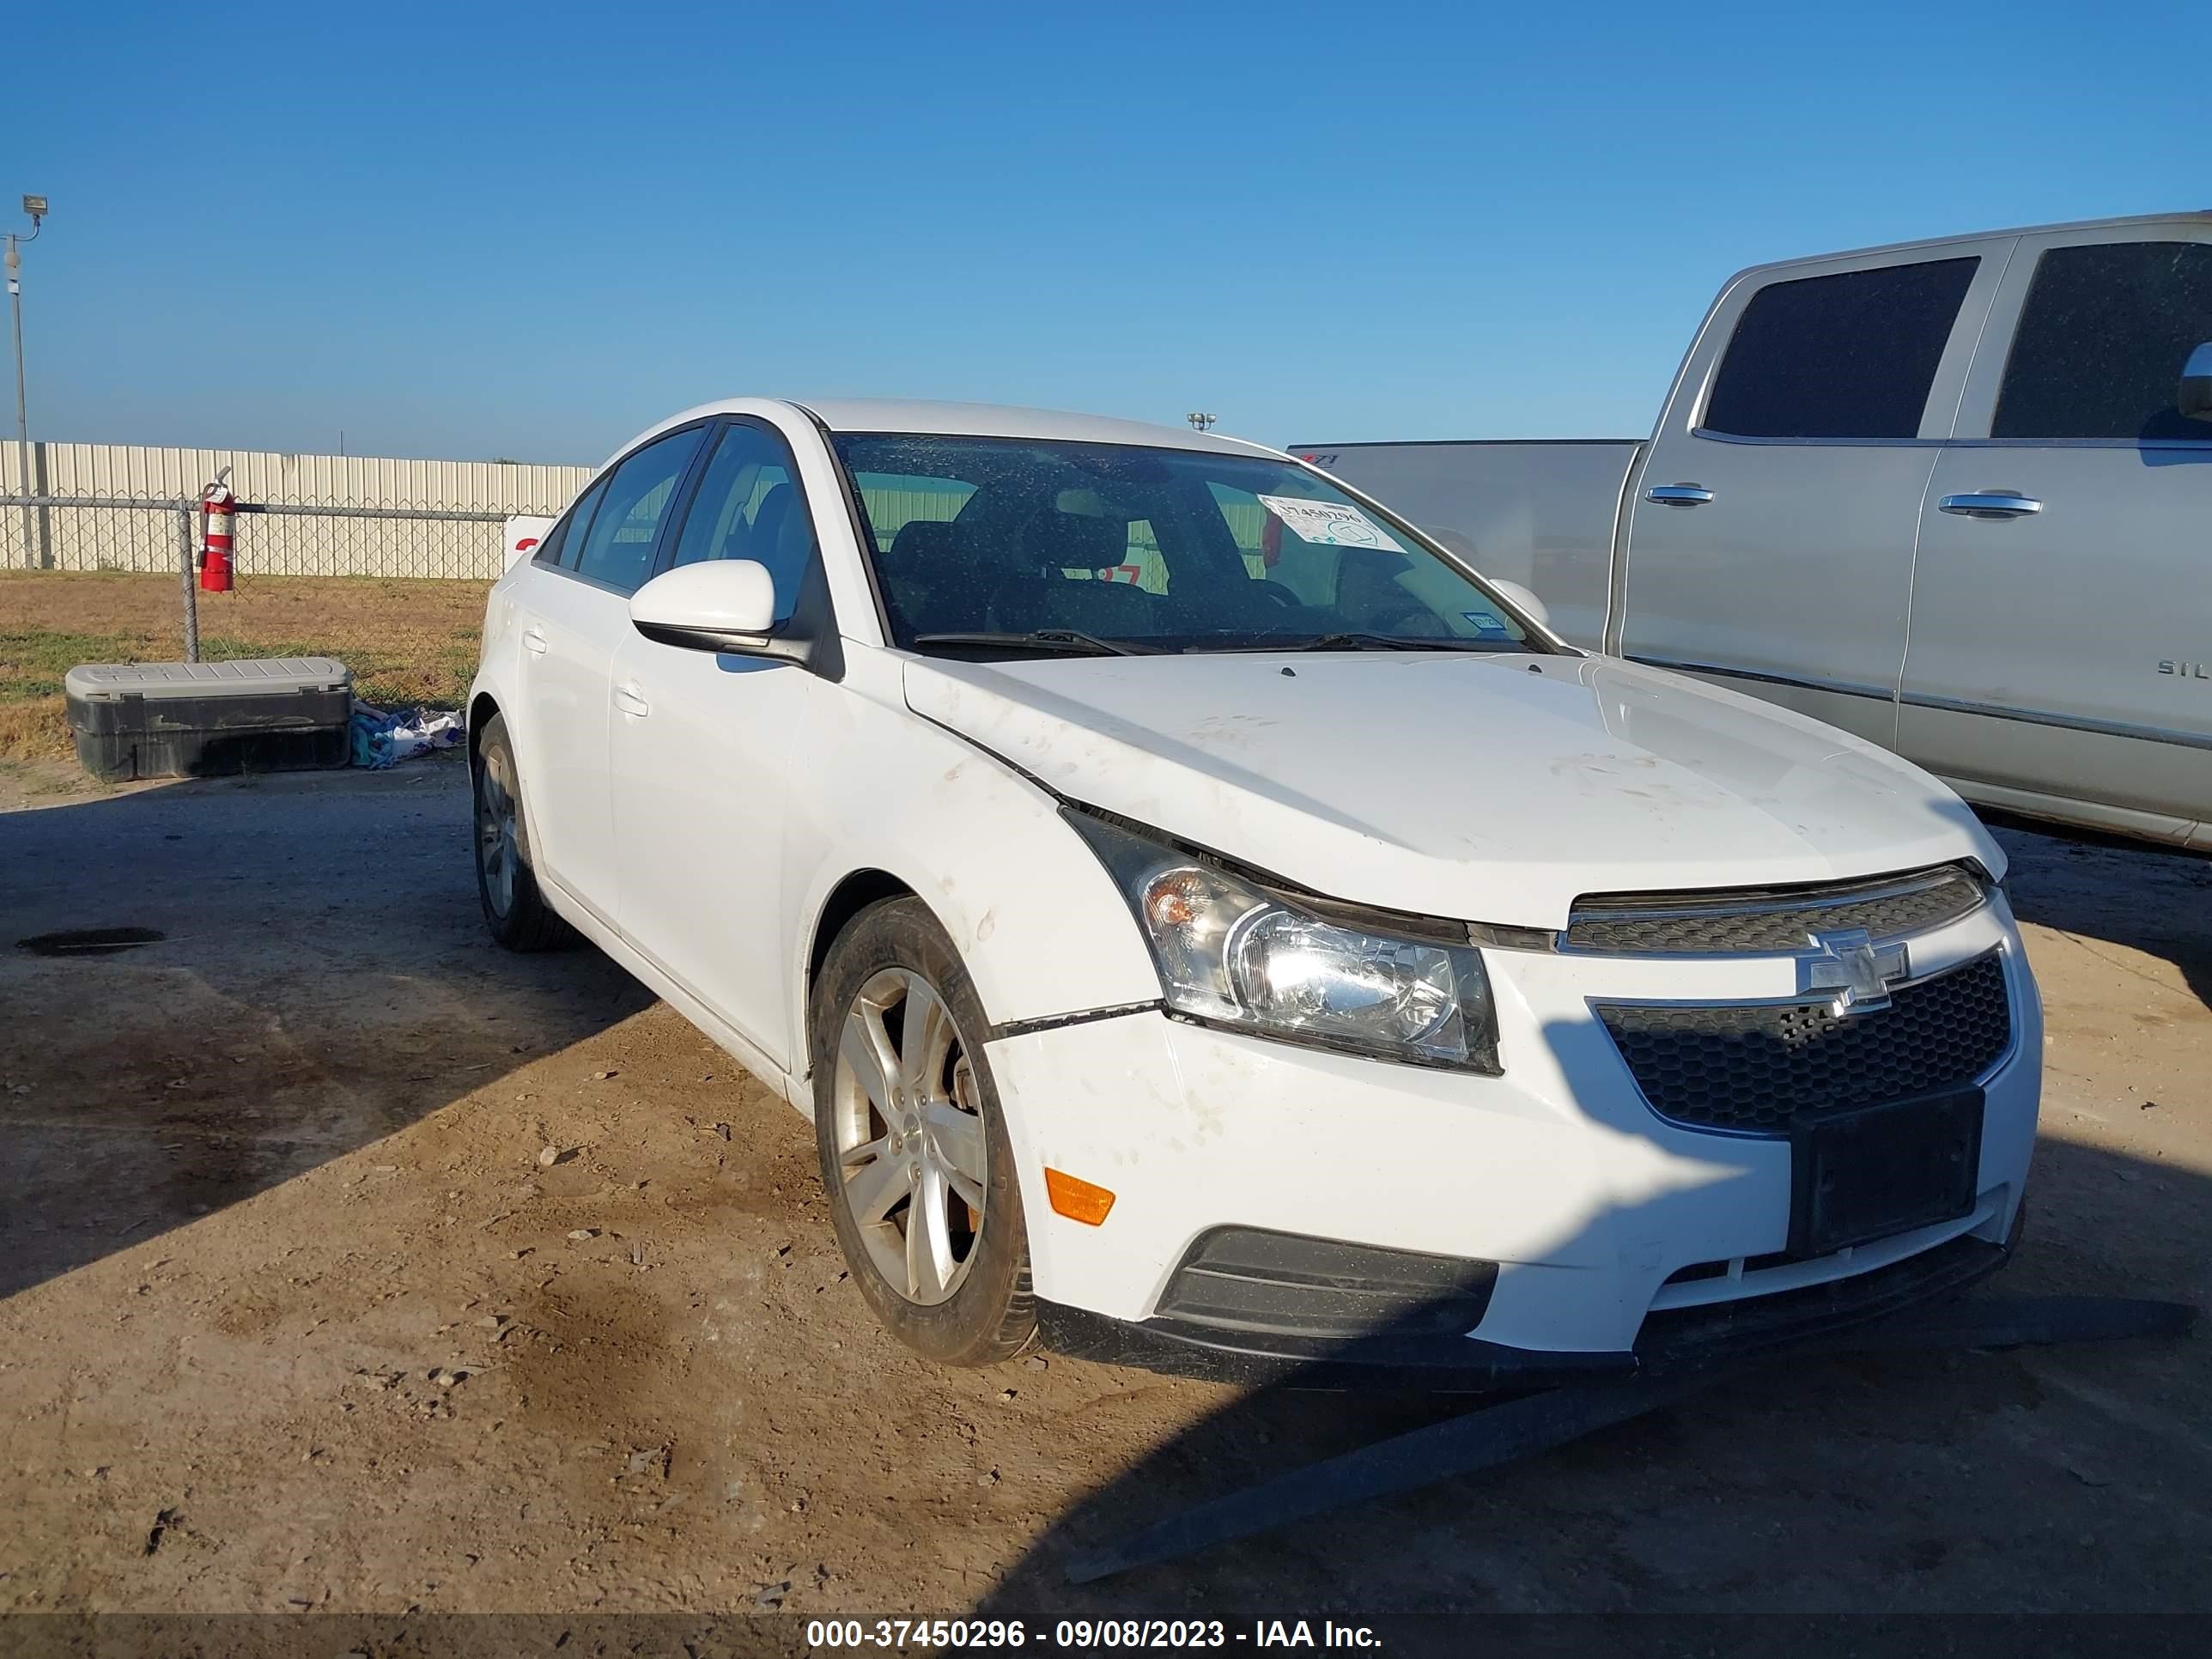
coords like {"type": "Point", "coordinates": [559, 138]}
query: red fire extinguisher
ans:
{"type": "Point", "coordinates": [217, 514]}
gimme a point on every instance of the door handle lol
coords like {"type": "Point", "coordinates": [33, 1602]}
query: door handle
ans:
{"type": "Point", "coordinates": [533, 642]}
{"type": "Point", "coordinates": [631, 699]}
{"type": "Point", "coordinates": [1679, 495]}
{"type": "Point", "coordinates": [1990, 504]}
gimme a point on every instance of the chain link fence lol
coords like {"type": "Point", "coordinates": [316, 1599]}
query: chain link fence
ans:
{"type": "Point", "coordinates": [289, 538]}
{"type": "Point", "coordinates": [268, 538]}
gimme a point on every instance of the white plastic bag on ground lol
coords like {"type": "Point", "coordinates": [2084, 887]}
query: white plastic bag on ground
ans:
{"type": "Point", "coordinates": [419, 734]}
{"type": "Point", "coordinates": [381, 736]}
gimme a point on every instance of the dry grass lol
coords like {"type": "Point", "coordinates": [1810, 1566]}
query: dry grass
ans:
{"type": "Point", "coordinates": [408, 642]}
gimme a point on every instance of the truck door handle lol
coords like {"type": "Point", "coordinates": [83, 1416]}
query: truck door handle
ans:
{"type": "Point", "coordinates": [1679, 495]}
{"type": "Point", "coordinates": [631, 699]}
{"type": "Point", "coordinates": [1990, 504]}
{"type": "Point", "coordinates": [533, 642]}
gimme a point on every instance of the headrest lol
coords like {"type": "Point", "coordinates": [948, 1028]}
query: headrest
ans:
{"type": "Point", "coordinates": [921, 543]}
{"type": "Point", "coordinates": [769, 516]}
{"type": "Point", "coordinates": [795, 534]}
{"type": "Point", "coordinates": [1075, 541]}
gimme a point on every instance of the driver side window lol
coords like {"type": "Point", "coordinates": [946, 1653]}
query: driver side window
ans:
{"type": "Point", "coordinates": [749, 506]}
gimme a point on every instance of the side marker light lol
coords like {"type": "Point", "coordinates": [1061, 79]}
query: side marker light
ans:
{"type": "Point", "coordinates": [1078, 1200]}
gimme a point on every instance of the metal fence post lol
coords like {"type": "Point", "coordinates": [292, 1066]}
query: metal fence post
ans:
{"type": "Point", "coordinates": [191, 592]}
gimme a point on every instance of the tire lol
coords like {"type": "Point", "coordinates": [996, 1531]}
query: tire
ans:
{"type": "Point", "coordinates": [897, 1147]}
{"type": "Point", "coordinates": [515, 910]}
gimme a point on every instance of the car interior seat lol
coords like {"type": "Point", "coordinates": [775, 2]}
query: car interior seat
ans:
{"type": "Point", "coordinates": [1052, 544]}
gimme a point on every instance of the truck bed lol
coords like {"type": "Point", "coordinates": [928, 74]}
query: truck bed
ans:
{"type": "Point", "coordinates": [1537, 512]}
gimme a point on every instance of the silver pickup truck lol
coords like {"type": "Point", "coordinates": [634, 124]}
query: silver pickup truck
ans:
{"type": "Point", "coordinates": [1955, 497]}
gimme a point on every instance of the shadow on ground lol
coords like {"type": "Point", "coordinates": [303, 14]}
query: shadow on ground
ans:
{"type": "Point", "coordinates": [321, 980]}
{"type": "Point", "coordinates": [2075, 1480]}
{"type": "Point", "coordinates": [2060, 1480]}
{"type": "Point", "coordinates": [2126, 893]}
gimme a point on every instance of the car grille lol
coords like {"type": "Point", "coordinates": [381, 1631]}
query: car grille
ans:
{"type": "Point", "coordinates": [1748, 920]}
{"type": "Point", "coordinates": [1751, 1068]}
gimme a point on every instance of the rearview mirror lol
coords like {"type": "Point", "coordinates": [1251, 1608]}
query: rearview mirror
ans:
{"type": "Point", "coordinates": [721, 604]}
{"type": "Point", "coordinates": [2194, 399]}
{"type": "Point", "coordinates": [1523, 600]}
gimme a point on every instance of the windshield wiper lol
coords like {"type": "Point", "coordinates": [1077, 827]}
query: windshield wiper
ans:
{"type": "Point", "coordinates": [1046, 639]}
{"type": "Point", "coordinates": [1355, 641]}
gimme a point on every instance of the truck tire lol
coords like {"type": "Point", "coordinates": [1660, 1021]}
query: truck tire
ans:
{"type": "Point", "coordinates": [515, 910]}
{"type": "Point", "coordinates": [913, 1143]}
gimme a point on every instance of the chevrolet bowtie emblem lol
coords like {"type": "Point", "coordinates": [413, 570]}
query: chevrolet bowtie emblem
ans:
{"type": "Point", "coordinates": [1857, 970]}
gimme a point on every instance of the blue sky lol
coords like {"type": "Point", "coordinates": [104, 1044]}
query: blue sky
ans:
{"type": "Point", "coordinates": [528, 231]}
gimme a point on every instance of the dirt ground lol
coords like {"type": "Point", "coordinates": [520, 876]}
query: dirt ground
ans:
{"type": "Point", "coordinates": [294, 1315]}
{"type": "Point", "coordinates": [408, 642]}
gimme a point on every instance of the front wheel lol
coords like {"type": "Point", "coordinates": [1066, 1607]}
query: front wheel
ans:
{"type": "Point", "coordinates": [913, 1143]}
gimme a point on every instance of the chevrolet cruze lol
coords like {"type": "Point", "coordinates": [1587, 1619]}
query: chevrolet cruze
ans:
{"type": "Point", "coordinates": [1208, 924]}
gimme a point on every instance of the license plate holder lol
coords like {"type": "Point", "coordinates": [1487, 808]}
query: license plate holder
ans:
{"type": "Point", "coordinates": [1884, 1170]}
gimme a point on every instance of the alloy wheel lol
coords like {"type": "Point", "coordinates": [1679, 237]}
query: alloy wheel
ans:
{"type": "Point", "coordinates": [909, 1135]}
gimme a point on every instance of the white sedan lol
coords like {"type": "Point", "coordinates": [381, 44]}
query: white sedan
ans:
{"type": "Point", "coordinates": [1208, 924]}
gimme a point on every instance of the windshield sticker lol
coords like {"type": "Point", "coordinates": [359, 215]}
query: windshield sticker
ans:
{"type": "Point", "coordinates": [1488, 626]}
{"type": "Point", "coordinates": [1330, 524]}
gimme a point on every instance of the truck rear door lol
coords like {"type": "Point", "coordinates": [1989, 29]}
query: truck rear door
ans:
{"type": "Point", "coordinates": [2061, 660]}
{"type": "Point", "coordinates": [1771, 531]}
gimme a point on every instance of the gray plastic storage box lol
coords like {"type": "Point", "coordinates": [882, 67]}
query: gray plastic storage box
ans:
{"type": "Point", "coordinates": [176, 720]}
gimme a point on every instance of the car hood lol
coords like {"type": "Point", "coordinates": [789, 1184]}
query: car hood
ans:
{"type": "Point", "coordinates": [1486, 787]}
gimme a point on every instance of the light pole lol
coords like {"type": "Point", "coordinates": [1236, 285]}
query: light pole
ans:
{"type": "Point", "coordinates": [36, 207]}
{"type": "Point", "coordinates": [1200, 421]}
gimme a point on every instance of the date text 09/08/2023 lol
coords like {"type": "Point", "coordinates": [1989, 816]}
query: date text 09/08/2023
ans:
{"type": "Point", "coordinates": [922, 1634]}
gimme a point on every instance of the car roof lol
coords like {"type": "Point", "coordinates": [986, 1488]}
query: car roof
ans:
{"type": "Point", "coordinates": [977, 421]}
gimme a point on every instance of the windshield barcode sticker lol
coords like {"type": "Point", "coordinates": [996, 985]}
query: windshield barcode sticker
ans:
{"type": "Point", "coordinates": [1329, 524]}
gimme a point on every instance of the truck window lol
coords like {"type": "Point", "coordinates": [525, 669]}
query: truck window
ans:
{"type": "Point", "coordinates": [1846, 356]}
{"type": "Point", "coordinates": [2101, 341]}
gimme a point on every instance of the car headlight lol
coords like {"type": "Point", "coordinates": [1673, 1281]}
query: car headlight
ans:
{"type": "Point", "coordinates": [1232, 952]}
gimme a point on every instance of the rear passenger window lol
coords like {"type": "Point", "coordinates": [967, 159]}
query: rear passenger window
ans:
{"type": "Point", "coordinates": [748, 506]}
{"type": "Point", "coordinates": [619, 547]}
{"type": "Point", "coordinates": [568, 535]}
{"type": "Point", "coordinates": [2101, 341]}
{"type": "Point", "coordinates": [1846, 356]}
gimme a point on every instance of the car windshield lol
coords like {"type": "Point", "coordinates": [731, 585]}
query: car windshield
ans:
{"type": "Point", "coordinates": [1029, 544]}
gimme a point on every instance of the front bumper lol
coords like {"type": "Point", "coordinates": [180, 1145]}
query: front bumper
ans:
{"type": "Point", "coordinates": [1608, 1224]}
{"type": "Point", "coordinates": [1692, 1339]}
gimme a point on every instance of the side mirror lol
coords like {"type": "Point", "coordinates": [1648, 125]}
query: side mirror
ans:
{"type": "Point", "coordinates": [2194, 398]}
{"type": "Point", "coordinates": [719, 605]}
{"type": "Point", "coordinates": [1522, 600]}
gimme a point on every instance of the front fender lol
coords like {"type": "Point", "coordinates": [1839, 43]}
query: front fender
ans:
{"type": "Point", "coordinates": [1043, 929]}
